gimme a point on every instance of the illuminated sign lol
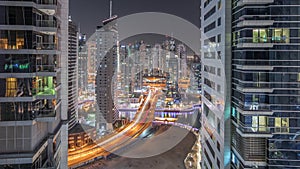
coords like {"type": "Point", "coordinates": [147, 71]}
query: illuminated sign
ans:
{"type": "Point", "coordinates": [16, 66]}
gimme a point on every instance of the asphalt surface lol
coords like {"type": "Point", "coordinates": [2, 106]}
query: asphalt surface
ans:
{"type": "Point", "coordinates": [177, 141]}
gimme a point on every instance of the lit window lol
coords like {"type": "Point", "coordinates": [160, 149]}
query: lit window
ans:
{"type": "Point", "coordinates": [260, 35]}
{"type": "Point", "coordinates": [282, 125]}
{"type": "Point", "coordinates": [3, 43]}
{"type": "Point", "coordinates": [11, 87]}
{"type": "Point", "coordinates": [259, 123]}
{"type": "Point", "coordinates": [281, 35]}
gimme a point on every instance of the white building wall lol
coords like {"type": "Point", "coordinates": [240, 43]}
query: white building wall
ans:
{"type": "Point", "coordinates": [64, 77]}
{"type": "Point", "coordinates": [216, 123]}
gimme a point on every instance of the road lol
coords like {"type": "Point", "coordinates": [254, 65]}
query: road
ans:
{"type": "Point", "coordinates": [171, 159]}
{"type": "Point", "coordinates": [120, 138]}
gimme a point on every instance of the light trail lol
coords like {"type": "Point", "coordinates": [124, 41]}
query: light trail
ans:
{"type": "Point", "coordinates": [121, 138]}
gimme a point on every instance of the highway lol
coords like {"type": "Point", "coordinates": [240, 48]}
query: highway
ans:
{"type": "Point", "coordinates": [121, 137]}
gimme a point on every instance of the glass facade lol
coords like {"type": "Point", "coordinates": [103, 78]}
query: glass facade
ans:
{"type": "Point", "coordinates": [31, 35]}
{"type": "Point", "coordinates": [265, 84]}
{"type": "Point", "coordinates": [37, 80]}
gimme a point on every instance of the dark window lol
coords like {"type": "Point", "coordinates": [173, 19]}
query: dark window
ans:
{"type": "Point", "coordinates": [218, 146]}
{"type": "Point", "coordinates": [219, 21]}
{"type": "Point", "coordinates": [219, 38]}
{"type": "Point", "coordinates": [210, 27]}
{"type": "Point", "coordinates": [210, 13]}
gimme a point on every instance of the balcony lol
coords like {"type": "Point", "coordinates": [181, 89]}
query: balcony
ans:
{"type": "Point", "coordinates": [253, 129]}
{"type": "Point", "coordinates": [47, 6]}
{"type": "Point", "coordinates": [251, 112]}
{"type": "Point", "coordinates": [48, 114]}
{"type": "Point", "coordinates": [255, 45]}
{"type": "Point", "coordinates": [255, 23]}
{"type": "Point", "coordinates": [47, 70]}
{"type": "Point", "coordinates": [45, 46]}
{"type": "Point", "coordinates": [28, 70]}
{"type": "Point", "coordinates": [254, 2]}
{"type": "Point", "coordinates": [46, 23]}
{"type": "Point", "coordinates": [47, 26]}
{"type": "Point", "coordinates": [45, 92]}
{"type": "Point", "coordinates": [254, 89]}
{"type": "Point", "coordinates": [254, 67]}
{"type": "Point", "coordinates": [29, 90]}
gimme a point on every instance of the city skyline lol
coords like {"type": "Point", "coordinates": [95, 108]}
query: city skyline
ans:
{"type": "Point", "coordinates": [198, 84]}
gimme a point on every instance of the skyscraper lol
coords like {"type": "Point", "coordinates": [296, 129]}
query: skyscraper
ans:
{"type": "Point", "coordinates": [33, 99]}
{"type": "Point", "coordinates": [216, 83]}
{"type": "Point", "coordinates": [106, 59]}
{"type": "Point", "coordinates": [265, 84]}
{"type": "Point", "coordinates": [73, 75]}
{"type": "Point", "coordinates": [82, 63]}
{"type": "Point", "coordinates": [261, 82]}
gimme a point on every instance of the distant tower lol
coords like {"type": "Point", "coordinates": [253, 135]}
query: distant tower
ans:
{"type": "Point", "coordinates": [110, 8]}
{"type": "Point", "coordinates": [106, 59]}
{"type": "Point", "coordinates": [72, 74]}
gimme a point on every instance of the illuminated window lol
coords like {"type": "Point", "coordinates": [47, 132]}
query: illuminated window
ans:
{"type": "Point", "coordinates": [282, 125]}
{"type": "Point", "coordinates": [11, 87]}
{"type": "Point", "coordinates": [20, 43]}
{"type": "Point", "coordinates": [3, 43]}
{"type": "Point", "coordinates": [259, 123]}
{"type": "Point", "coordinates": [254, 123]}
{"type": "Point", "coordinates": [281, 35]}
{"type": "Point", "coordinates": [262, 120]}
{"type": "Point", "coordinates": [260, 35]}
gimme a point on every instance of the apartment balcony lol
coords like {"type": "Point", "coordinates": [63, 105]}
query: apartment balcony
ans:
{"type": "Point", "coordinates": [47, 6]}
{"type": "Point", "coordinates": [255, 23]}
{"type": "Point", "coordinates": [36, 48]}
{"type": "Point", "coordinates": [47, 70]}
{"type": "Point", "coordinates": [254, 106]}
{"type": "Point", "coordinates": [255, 129]}
{"type": "Point", "coordinates": [47, 114]}
{"type": "Point", "coordinates": [46, 92]}
{"type": "Point", "coordinates": [24, 94]}
{"type": "Point", "coordinates": [29, 71]}
{"type": "Point", "coordinates": [251, 112]}
{"type": "Point", "coordinates": [255, 45]}
{"type": "Point", "coordinates": [254, 67]}
{"type": "Point", "coordinates": [17, 99]}
{"type": "Point", "coordinates": [47, 26]}
{"type": "Point", "coordinates": [254, 2]}
{"type": "Point", "coordinates": [254, 89]}
{"type": "Point", "coordinates": [28, 111]}
{"type": "Point", "coordinates": [267, 85]}
{"type": "Point", "coordinates": [45, 46]}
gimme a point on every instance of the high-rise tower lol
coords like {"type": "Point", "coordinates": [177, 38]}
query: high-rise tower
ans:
{"type": "Point", "coordinates": [82, 63]}
{"type": "Point", "coordinates": [106, 37]}
{"type": "Point", "coordinates": [257, 87]}
{"type": "Point", "coordinates": [265, 84]}
{"type": "Point", "coordinates": [216, 83]}
{"type": "Point", "coordinates": [33, 80]}
{"type": "Point", "coordinates": [73, 75]}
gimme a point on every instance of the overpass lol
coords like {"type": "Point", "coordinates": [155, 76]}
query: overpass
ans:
{"type": "Point", "coordinates": [121, 137]}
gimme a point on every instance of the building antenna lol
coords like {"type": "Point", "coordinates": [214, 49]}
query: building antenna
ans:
{"type": "Point", "coordinates": [110, 8]}
{"type": "Point", "coordinates": [79, 27]}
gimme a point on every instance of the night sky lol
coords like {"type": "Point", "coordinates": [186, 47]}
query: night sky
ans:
{"type": "Point", "coordinates": [89, 13]}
